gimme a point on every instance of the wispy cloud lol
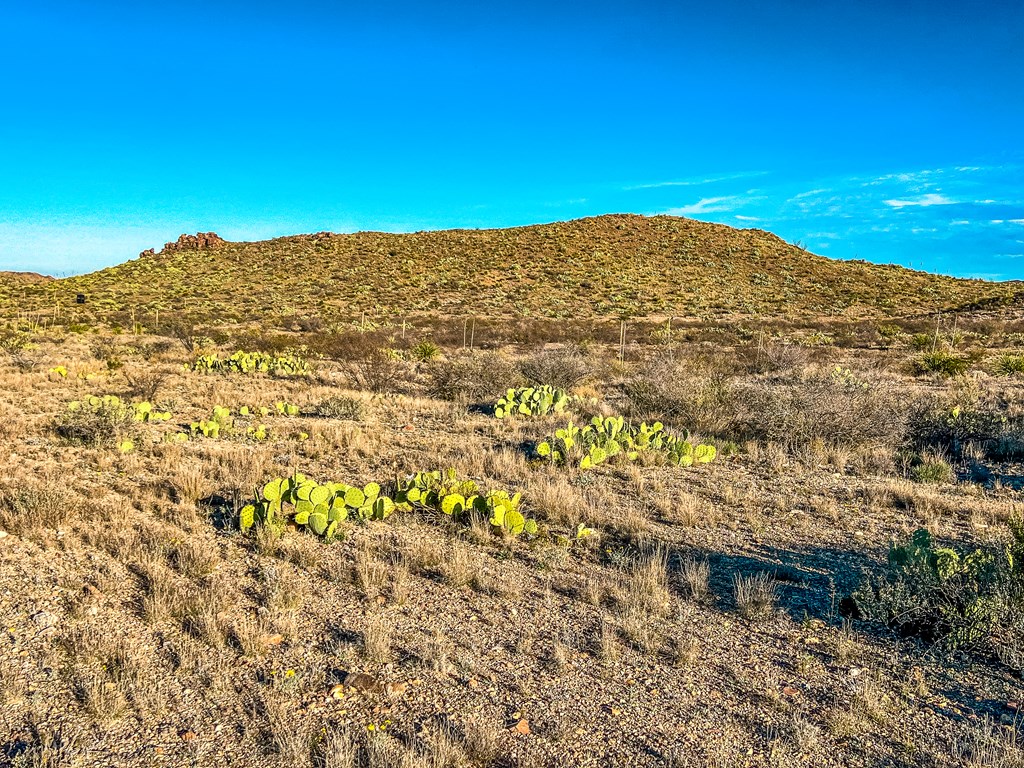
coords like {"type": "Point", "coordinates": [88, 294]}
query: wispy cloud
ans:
{"type": "Point", "coordinates": [696, 181]}
{"type": "Point", "coordinates": [708, 205]}
{"type": "Point", "coordinates": [809, 193]}
{"type": "Point", "coordinates": [924, 201]}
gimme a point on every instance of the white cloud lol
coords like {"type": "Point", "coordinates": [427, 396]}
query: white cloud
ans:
{"type": "Point", "coordinates": [694, 182]}
{"type": "Point", "coordinates": [923, 201]}
{"type": "Point", "coordinates": [809, 193]}
{"type": "Point", "coordinates": [747, 218]}
{"type": "Point", "coordinates": [708, 205]}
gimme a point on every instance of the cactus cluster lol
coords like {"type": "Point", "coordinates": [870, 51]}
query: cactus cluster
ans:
{"type": "Point", "coordinates": [286, 409]}
{"type": "Point", "coordinates": [219, 423]}
{"type": "Point", "coordinates": [531, 401]}
{"type": "Point", "coordinates": [606, 437]}
{"type": "Point", "coordinates": [319, 508]}
{"type": "Point", "coordinates": [145, 411]}
{"type": "Point", "coordinates": [252, 362]}
{"type": "Point", "coordinates": [114, 405]}
{"type": "Point", "coordinates": [445, 493]}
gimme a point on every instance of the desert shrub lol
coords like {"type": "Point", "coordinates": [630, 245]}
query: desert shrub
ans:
{"type": "Point", "coordinates": [942, 363]}
{"type": "Point", "coordinates": [340, 407]}
{"type": "Point", "coordinates": [109, 422]}
{"type": "Point", "coordinates": [681, 394]}
{"type": "Point", "coordinates": [382, 370]}
{"type": "Point", "coordinates": [950, 426]}
{"type": "Point", "coordinates": [347, 343]}
{"type": "Point", "coordinates": [957, 599]}
{"type": "Point", "coordinates": [472, 377]}
{"type": "Point", "coordinates": [889, 331]}
{"type": "Point", "coordinates": [562, 368]}
{"type": "Point", "coordinates": [921, 342]}
{"type": "Point", "coordinates": [1008, 365]}
{"type": "Point", "coordinates": [144, 383]}
{"type": "Point", "coordinates": [424, 351]}
{"type": "Point", "coordinates": [12, 341]}
{"type": "Point", "coordinates": [782, 357]}
{"type": "Point", "coordinates": [932, 469]}
{"type": "Point", "coordinates": [834, 408]}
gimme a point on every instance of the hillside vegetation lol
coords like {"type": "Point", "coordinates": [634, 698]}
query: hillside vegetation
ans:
{"type": "Point", "coordinates": [616, 265]}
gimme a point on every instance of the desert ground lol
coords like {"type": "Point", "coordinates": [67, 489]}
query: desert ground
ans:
{"type": "Point", "coordinates": [739, 612]}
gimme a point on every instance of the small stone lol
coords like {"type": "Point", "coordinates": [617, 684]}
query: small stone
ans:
{"type": "Point", "coordinates": [274, 640]}
{"type": "Point", "coordinates": [396, 689]}
{"type": "Point", "coordinates": [790, 691]}
{"type": "Point", "coordinates": [523, 727]}
{"type": "Point", "coordinates": [472, 683]}
{"type": "Point", "coordinates": [44, 619]}
{"type": "Point", "coordinates": [187, 735]}
{"type": "Point", "coordinates": [359, 681]}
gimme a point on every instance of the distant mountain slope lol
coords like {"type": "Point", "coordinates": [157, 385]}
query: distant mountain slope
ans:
{"type": "Point", "coordinates": [594, 267]}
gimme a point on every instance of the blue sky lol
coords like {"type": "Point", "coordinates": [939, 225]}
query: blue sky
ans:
{"type": "Point", "coordinates": [888, 131]}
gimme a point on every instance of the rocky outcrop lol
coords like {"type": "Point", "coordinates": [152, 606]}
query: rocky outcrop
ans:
{"type": "Point", "coordinates": [200, 241]}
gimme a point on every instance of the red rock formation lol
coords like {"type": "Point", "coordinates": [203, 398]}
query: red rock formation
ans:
{"type": "Point", "coordinates": [197, 242]}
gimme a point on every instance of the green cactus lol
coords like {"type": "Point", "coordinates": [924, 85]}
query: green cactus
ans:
{"type": "Point", "coordinates": [247, 517]}
{"type": "Point", "coordinates": [531, 401]}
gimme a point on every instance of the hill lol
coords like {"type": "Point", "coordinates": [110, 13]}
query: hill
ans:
{"type": "Point", "coordinates": [615, 265]}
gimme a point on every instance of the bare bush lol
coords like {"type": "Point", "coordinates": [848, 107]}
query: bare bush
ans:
{"type": "Point", "coordinates": [472, 377]}
{"type": "Point", "coordinates": [562, 368]}
{"type": "Point", "coordinates": [828, 407]}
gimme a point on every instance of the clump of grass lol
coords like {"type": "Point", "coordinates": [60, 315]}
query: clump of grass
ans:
{"type": "Point", "coordinates": [425, 351]}
{"type": "Point", "coordinates": [1008, 364]}
{"type": "Point", "coordinates": [755, 595]}
{"type": "Point", "coordinates": [377, 639]}
{"type": "Point", "coordinates": [696, 575]}
{"type": "Point", "coordinates": [340, 407]}
{"type": "Point", "coordinates": [940, 362]}
{"type": "Point", "coordinates": [933, 470]}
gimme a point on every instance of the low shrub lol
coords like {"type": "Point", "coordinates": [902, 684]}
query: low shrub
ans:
{"type": "Point", "coordinates": [933, 470]}
{"type": "Point", "coordinates": [561, 369]}
{"type": "Point", "coordinates": [833, 408]}
{"type": "Point", "coordinates": [971, 420]}
{"type": "Point", "coordinates": [1008, 365]}
{"type": "Point", "coordinates": [956, 599]}
{"type": "Point", "coordinates": [472, 377]}
{"type": "Point", "coordinates": [683, 393]}
{"type": "Point", "coordinates": [98, 421]}
{"type": "Point", "coordinates": [340, 407]}
{"type": "Point", "coordinates": [383, 370]}
{"type": "Point", "coordinates": [942, 363]}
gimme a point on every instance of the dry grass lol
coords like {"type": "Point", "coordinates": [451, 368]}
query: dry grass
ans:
{"type": "Point", "coordinates": [377, 638]}
{"type": "Point", "coordinates": [755, 595]}
{"type": "Point", "coordinates": [134, 610]}
{"type": "Point", "coordinates": [695, 576]}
